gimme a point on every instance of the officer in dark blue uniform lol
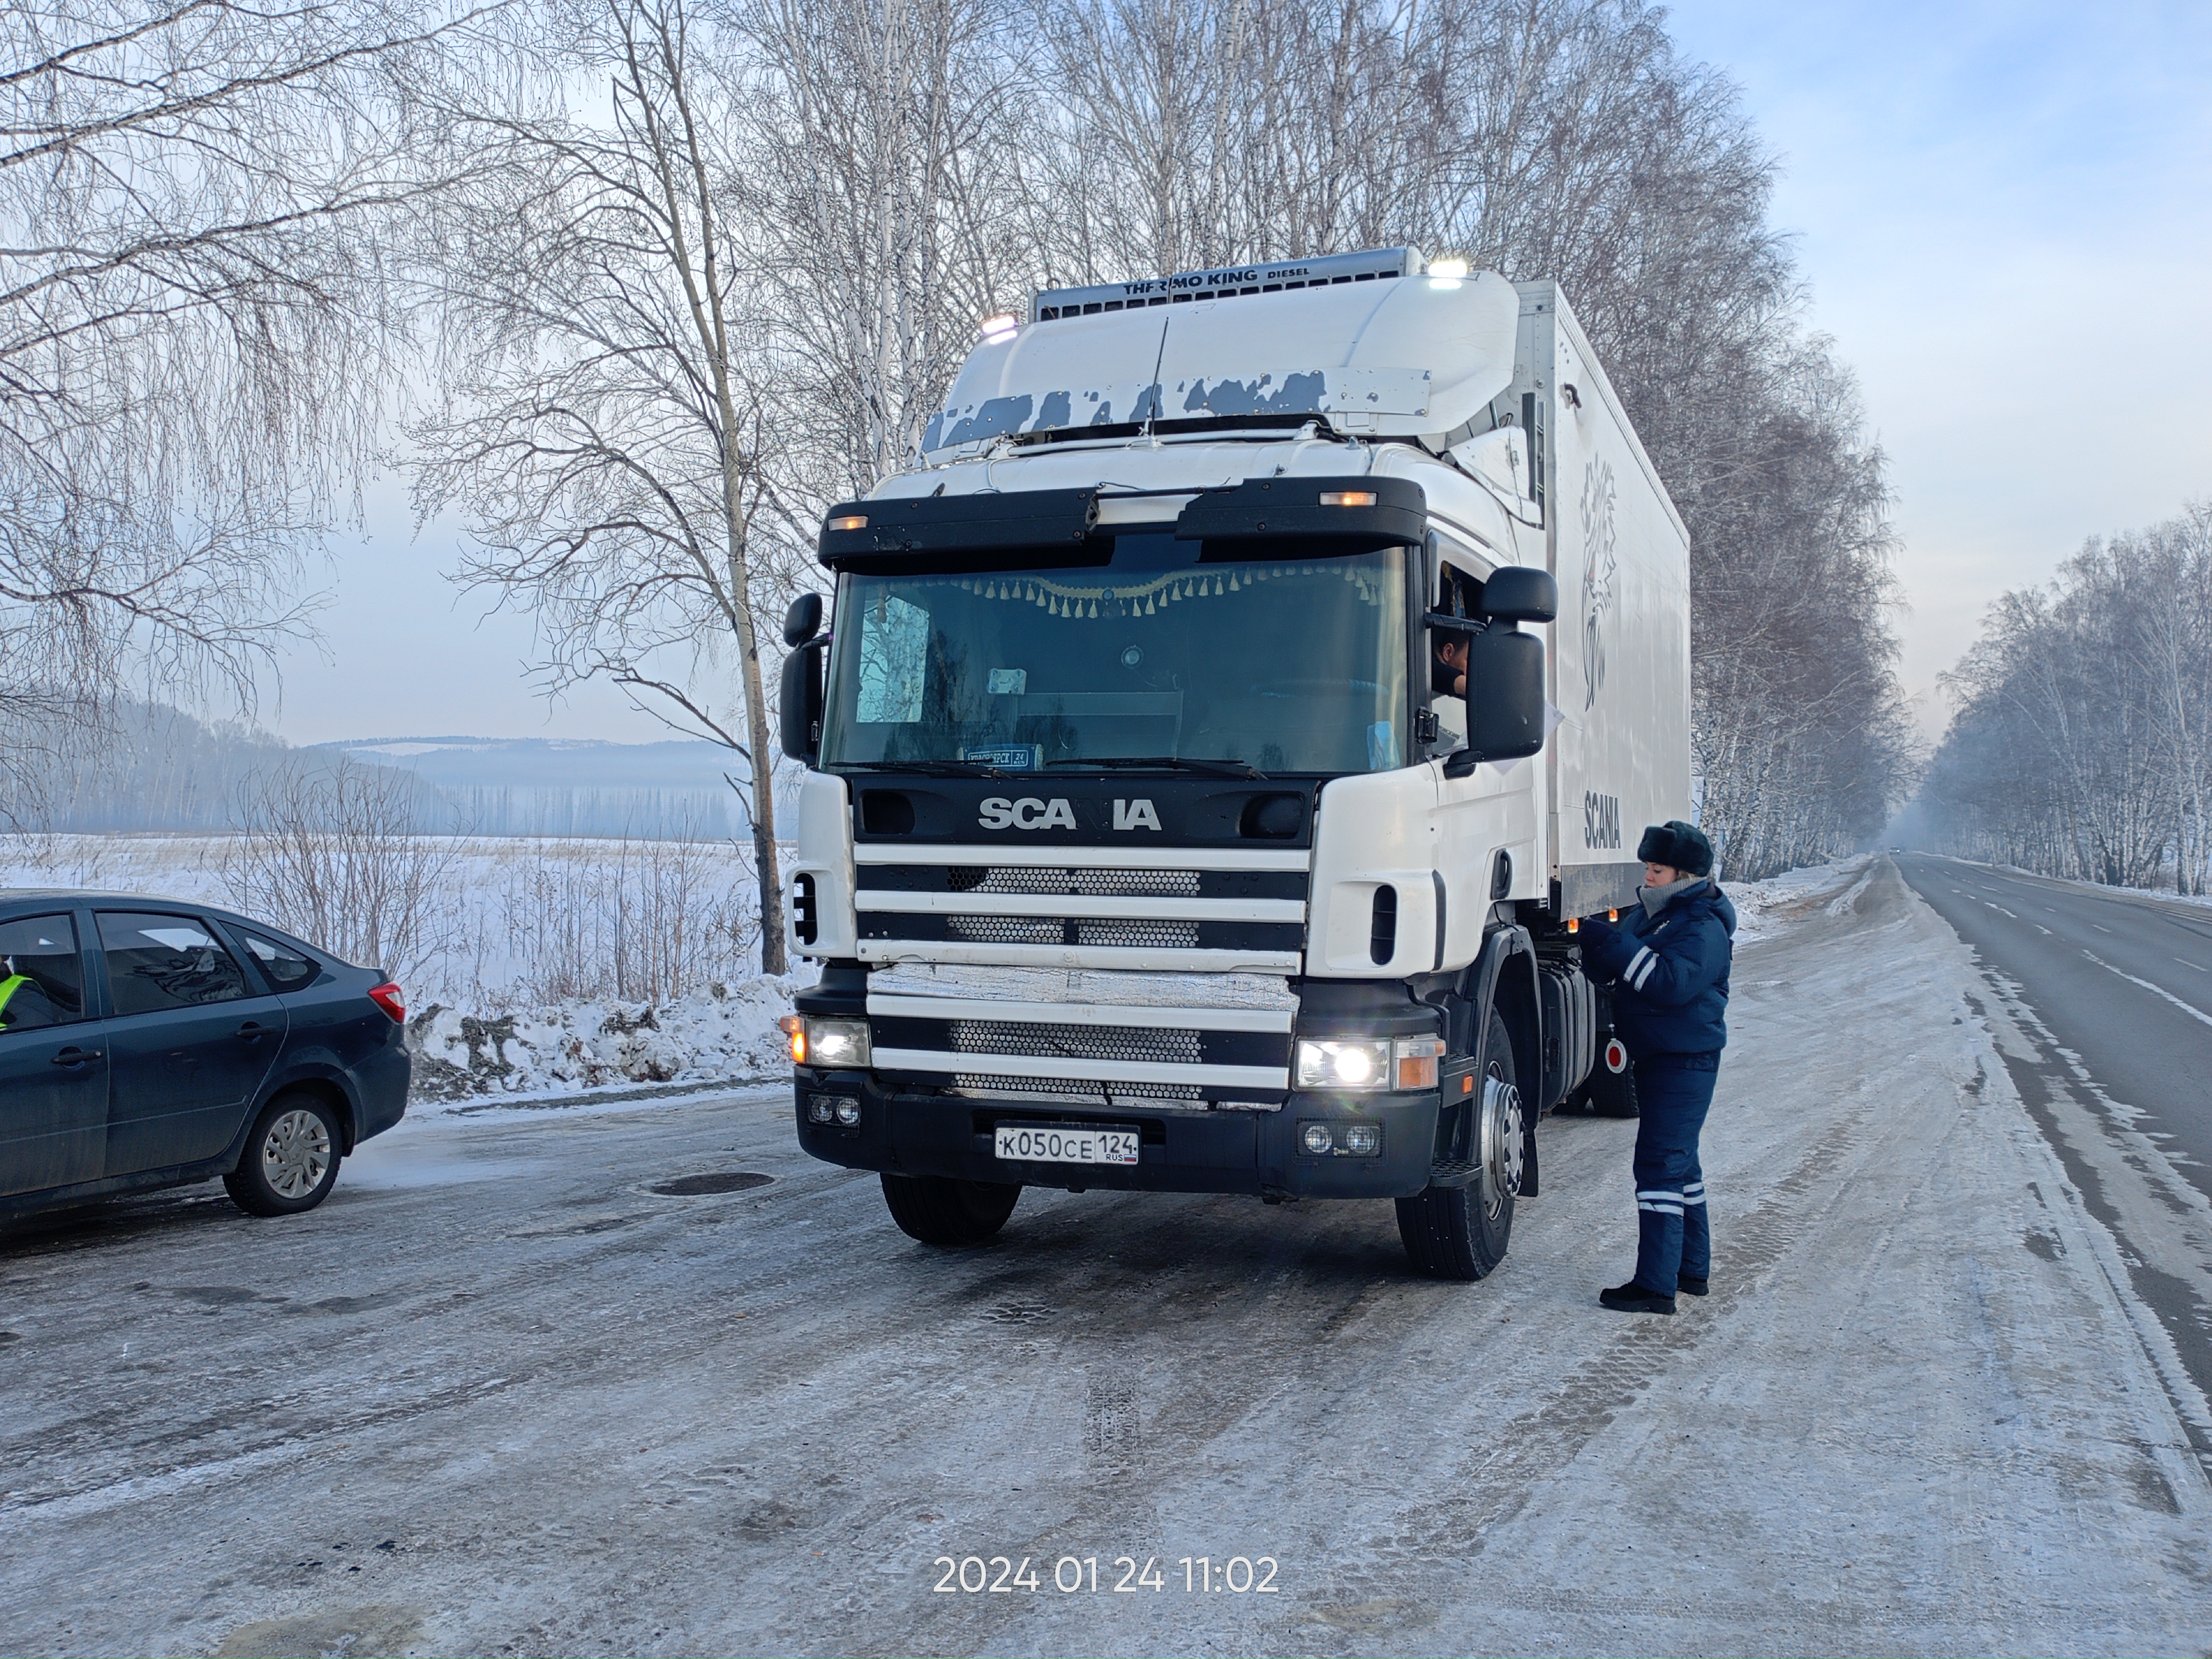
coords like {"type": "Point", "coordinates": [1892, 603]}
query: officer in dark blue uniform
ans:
{"type": "Point", "coordinates": [1668, 963]}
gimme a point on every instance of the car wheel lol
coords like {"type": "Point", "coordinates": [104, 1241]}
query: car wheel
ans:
{"type": "Point", "coordinates": [937, 1210]}
{"type": "Point", "coordinates": [291, 1158]}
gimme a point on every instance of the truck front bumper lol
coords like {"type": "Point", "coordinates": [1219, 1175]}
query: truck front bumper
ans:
{"type": "Point", "coordinates": [1181, 1151]}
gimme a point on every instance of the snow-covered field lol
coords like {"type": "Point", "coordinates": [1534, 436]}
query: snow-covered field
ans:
{"type": "Point", "coordinates": [547, 967]}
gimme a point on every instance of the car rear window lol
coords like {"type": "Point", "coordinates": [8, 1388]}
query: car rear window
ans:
{"type": "Point", "coordinates": [156, 961]}
{"type": "Point", "coordinates": [283, 966]}
{"type": "Point", "coordinates": [41, 975]}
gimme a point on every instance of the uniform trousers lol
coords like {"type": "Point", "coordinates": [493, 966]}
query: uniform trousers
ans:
{"type": "Point", "coordinates": [1674, 1238]}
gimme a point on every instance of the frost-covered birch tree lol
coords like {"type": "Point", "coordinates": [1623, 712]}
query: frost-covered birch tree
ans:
{"type": "Point", "coordinates": [196, 329]}
{"type": "Point", "coordinates": [604, 437]}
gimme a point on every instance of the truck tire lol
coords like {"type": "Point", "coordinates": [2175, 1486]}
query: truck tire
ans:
{"type": "Point", "coordinates": [941, 1211]}
{"type": "Point", "coordinates": [1461, 1232]}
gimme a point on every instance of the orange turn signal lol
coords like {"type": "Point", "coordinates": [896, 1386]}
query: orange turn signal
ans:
{"type": "Point", "coordinates": [795, 1028]}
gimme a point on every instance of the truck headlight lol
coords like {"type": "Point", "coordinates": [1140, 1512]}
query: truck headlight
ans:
{"type": "Point", "coordinates": [1344, 1063]}
{"type": "Point", "coordinates": [837, 1041]}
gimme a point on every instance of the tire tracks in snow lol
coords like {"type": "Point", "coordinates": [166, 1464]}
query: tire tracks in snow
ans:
{"type": "Point", "coordinates": [1491, 1488]}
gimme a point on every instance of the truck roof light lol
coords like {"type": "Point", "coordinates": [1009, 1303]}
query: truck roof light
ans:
{"type": "Point", "coordinates": [1454, 270]}
{"type": "Point", "coordinates": [850, 521]}
{"type": "Point", "coordinates": [995, 329]}
{"type": "Point", "coordinates": [1228, 281]}
{"type": "Point", "coordinates": [1348, 498]}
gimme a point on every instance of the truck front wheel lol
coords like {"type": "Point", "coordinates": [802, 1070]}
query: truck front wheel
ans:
{"type": "Point", "coordinates": [939, 1210]}
{"type": "Point", "coordinates": [1460, 1232]}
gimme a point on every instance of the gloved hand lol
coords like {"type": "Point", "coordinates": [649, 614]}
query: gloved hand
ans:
{"type": "Point", "coordinates": [1596, 930]}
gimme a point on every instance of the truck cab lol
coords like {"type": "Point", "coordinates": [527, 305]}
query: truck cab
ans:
{"type": "Point", "coordinates": [1184, 800]}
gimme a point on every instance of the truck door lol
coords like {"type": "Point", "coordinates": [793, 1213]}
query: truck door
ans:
{"type": "Point", "coordinates": [1492, 809]}
{"type": "Point", "coordinates": [53, 1071]}
{"type": "Point", "coordinates": [190, 1038]}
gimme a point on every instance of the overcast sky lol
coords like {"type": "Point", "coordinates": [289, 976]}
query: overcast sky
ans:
{"type": "Point", "coordinates": [2004, 211]}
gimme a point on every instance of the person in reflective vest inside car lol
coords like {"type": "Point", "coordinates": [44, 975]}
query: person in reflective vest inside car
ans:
{"type": "Point", "coordinates": [1668, 963]}
{"type": "Point", "coordinates": [23, 1004]}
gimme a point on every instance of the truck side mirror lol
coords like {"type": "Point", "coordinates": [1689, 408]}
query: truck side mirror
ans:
{"type": "Point", "coordinates": [1505, 698]}
{"type": "Point", "coordinates": [801, 703]}
{"type": "Point", "coordinates": [1516, 593]}
{"type": "Point", "coordinates": [804, 620]}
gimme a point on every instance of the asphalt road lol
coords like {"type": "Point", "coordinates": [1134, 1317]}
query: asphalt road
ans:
{"type": "Point", "coordinates": [502, 1395]}
{"type": "Point", "coordinates": [2108, 1000]}
{"type": "Point", "coordinates": [2124, 981]}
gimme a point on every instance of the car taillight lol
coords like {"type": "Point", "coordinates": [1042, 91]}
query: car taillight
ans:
{"type": "Point", "coordinates": [390, 998]}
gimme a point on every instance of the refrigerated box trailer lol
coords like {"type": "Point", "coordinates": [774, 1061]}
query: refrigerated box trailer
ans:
{"type": "Point", "coordinates": [1217, 733]}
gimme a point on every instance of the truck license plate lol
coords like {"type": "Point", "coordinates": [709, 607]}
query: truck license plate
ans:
{"type": "Point", "coordinates": [1045, 1143]}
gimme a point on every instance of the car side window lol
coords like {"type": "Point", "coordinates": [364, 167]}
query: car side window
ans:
{"type": "Point", "coordinates": [281, 965]}
{"type": "Point", "coordinates": [156, 961]}
{"type": "Point", "coordinates": [41, 974]}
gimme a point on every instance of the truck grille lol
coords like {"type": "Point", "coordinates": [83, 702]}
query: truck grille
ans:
{"type": "Point", "coordinates": [1233, 909]}
{"type": "Point", "coordinates": [991, 1037]}
{"type": "Point", "coordinates": [1139, 935]}
{"type": "Point", "coordinates": [1074, 1088]}
{"type": "Point", "coordinates": [1088, 883]}
{"type": "Point", "coordinates": [1007, 930]}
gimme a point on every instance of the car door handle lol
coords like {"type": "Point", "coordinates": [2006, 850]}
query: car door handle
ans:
{"type": "Point", "coordinates": [252, 1031]}
{"type": "Point", "coordinates": [74, 1055]}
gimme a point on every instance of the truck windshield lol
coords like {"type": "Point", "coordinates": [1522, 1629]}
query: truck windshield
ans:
{"type": "Point", "coordinates": [1297, 665]}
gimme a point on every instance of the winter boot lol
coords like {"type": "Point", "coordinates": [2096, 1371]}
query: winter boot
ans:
{"type": "Point", "coordinates": [1632, 1297]}
{"type": "Point", "coordinates": [1690, 1286]}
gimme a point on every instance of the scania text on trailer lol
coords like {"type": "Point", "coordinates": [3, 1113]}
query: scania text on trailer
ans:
{"type": "Point", "coordinates": [1216, 729]}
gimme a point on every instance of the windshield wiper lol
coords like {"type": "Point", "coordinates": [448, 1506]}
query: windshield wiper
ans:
{"type": "Point", "coordinates": [1218, 768]}
{"type": "Point", "coordinates": [927, 768]}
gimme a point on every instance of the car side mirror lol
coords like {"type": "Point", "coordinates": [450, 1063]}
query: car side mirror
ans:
{"type": "Point", "coordinates": [1505, 698]}
{"type": "Point", "coordinates": [800, 704]}
{"type": "Point", "coordinates": [1515, 592]}
{"type": "Point", "coordinates": [804, 620]}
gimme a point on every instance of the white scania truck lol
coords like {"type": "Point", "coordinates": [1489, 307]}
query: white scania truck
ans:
{"type": "Point", "coordinates": [1215, 730]}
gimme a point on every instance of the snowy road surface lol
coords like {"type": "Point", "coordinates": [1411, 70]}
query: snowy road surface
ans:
{"type": "Point", "coordinates": [499, 1395]}
{"type": "Point", "coordinates": [2102, 1003]}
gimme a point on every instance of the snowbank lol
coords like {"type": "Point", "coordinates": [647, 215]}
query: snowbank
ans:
{"type": "Point", "coordinates": [726, 1033]}
{"type": "Point", "coordinates": [1763, 908]}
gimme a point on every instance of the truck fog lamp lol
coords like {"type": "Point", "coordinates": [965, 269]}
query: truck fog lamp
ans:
{"type": "Point", "coordinates": [818, 1110]}
{"type": "Point", "coordinates": [1417, 1060]}
{"type": "Point", "coordinates": [1317, 1140]}
{"type": "Point", "coordinates": [1363, 1140]}
{"type": "Point", "coordinates": [848, 1110]}
{"type": "Point", "coordinates": [1346, 1063]}
{"type": "Point", "coordinates": [837, 1041]}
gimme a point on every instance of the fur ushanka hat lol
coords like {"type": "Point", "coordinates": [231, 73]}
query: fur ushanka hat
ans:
{"type": "Point", "coordinates": [1683, 846]}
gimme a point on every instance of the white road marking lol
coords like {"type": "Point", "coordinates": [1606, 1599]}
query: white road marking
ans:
{"type": "Point", "coordinates": [2100, 927]}
{"type": "Point", "coordinates": [2041, 929]}
{"type": "Point", "coordinates": [2186, 962]}
{"type": "Point", "coordinates": [2156, 990]}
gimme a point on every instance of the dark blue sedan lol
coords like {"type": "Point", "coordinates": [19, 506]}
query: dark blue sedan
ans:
{"type": "Point", "coordinates": [144, 1042]}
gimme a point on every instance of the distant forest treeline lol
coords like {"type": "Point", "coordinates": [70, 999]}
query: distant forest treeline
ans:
{"type": "Point", "coordinates": [158, 768]}
{"type": "Point", "coordinates": [2082, 744]}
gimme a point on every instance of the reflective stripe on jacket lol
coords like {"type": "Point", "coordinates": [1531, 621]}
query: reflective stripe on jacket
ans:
{"type": "Point", "coordinates": [1670, 972]}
